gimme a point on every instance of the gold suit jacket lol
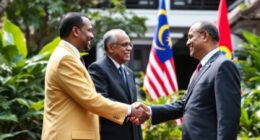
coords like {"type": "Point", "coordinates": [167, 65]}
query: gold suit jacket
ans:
{"type": "Point", "coordinates": [71, 104]}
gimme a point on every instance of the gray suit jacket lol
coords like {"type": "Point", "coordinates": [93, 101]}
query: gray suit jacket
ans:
{"type": "Point", "coordinates": [110, 84]}
{"type": "Point", "coordinates": [211, 105]}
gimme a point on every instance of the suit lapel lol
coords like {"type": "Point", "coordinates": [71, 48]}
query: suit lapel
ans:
{"type": "Point", "coordinates": [121, 82]}
{"type": "Point", "coordinates": [65, 46]}
{"type": "Point", "coordinates": [193, 82]}
{"type": "Point", "coordinates": [129, 77]}
{"type": "Point", "coordinates": [114, 71]}
{"type": "Point", "coordinates": [201, 72]}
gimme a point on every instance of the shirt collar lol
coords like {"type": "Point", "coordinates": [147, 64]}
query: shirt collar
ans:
{"type": "Point", "coordinates": [115, 63]}
{"type": "Point", "coordinates": [74, 49]}
{"type": "Point", "coordinates": [206, 58]}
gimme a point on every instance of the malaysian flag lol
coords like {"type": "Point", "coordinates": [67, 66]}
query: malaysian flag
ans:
{"type": "Point", "coordinates": [160, 79]}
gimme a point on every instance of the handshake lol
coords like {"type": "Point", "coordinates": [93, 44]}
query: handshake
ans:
{"type": "Point", "coordinates": [139, 113]}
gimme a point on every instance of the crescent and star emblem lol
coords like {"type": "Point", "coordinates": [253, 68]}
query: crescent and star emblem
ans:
{"type": "Point", "coordinates": [161, 31]}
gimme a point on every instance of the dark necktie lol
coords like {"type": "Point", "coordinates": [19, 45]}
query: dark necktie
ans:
{"type": "Point", "coordinates": [122, 73]}
{"type": "Point", "coordinates": [197, 71]}
{"type": "Point", "coordinates": [123, 76]}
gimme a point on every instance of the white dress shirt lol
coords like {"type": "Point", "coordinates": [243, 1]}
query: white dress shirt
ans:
{"type": "Point", "coordinates": [74, 49]}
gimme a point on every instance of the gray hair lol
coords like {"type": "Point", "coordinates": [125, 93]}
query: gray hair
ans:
{"type": "Point", "coordinates": [111, 36]}
{"type": "Point", "coordinates": [211, 29]}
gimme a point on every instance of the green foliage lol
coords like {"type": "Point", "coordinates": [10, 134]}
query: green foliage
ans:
{"type": "Point", "coordinates": [109, 20]}
{"type": "Point", "coordinates": [21, 88]}
{"type": "Point", "coordinates": [167, 130]}
{"type": "Point", "coordinates": [116, 17]}
{"type": "Point", "coordinates": [11, 135]}
{"type": "Point", "coordinates": [39, 19]}
{"type": "Point", "coordinates": [48, 49]}
{"type": "Point", "coordinates": [11, 38]}
{"type": "Point", "coordinates": [250, 115]}
{"type": "Point", "coordinates": [163, 131]}
{"type": "Point", "coordinates": [249, 62]}
{"type": "Point", "coordinates": [10, 30]}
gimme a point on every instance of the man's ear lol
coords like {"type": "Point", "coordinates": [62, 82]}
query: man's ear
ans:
{"type": "Point", "coordinates": [205, 36]}
{"type": "Point", "coordinates": [110, 48]}
{"type": "Point", "coordinates": [75, 31]}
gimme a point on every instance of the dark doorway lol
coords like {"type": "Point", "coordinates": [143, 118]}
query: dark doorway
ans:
{"type": "Point", "coordinates": [91, 57]}
{"type": "Point", "coordinates": [184, 64]}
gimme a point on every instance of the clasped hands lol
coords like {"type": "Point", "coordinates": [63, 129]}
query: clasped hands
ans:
{"type": "Point", "coordinates": [139, 113]}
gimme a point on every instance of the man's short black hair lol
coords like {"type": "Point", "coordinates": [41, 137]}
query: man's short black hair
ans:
{"type": "Point", "coordinates": [211, 29]}
{"type": "Point", "coordinates": [70, 20]}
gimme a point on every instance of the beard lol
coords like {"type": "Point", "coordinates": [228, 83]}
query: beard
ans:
{"type": "Point", "coordinates": [87, 46]}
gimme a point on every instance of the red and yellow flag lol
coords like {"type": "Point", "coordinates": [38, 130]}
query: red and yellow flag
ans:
{"type": "Point", "coordinates": [224, 30]}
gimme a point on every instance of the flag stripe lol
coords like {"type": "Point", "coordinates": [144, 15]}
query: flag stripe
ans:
{"type": "Point", "coordinates": [154, 61]}
{"type": "Point", "coordinates": [154, 73]}
{"type": "Point", "coordinates": [156, 84]}
{"type": "Point", "coordinates": [149, 90]}
{"type": "Point", "coordinates": [158, 70]}
{"type": "Point", "coordinates": [171, 73]}
{"type": "Point", "coordinates": [158, 78]}
{"type": "Point", "coordinates": [153, 88]}
{"type": "Point", "coordinates": [169, 78]}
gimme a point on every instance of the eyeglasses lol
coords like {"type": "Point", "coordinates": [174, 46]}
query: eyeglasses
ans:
{"type": "Point", "coordinates": [125, 45]}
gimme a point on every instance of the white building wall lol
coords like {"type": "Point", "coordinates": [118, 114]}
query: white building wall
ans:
{"type": "Point", "coordinates": [182, 19]}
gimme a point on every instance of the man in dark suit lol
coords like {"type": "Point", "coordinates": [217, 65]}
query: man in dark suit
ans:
{"type": "Point", "coordinates": [114, 80]}
{"type": "Point", "coordinates": [211, 105]}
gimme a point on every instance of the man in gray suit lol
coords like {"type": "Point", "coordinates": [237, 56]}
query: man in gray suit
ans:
{"type": "Point", "coordinates": [114, 80]}
{"type": "Point", "coordinates": [211, 105]}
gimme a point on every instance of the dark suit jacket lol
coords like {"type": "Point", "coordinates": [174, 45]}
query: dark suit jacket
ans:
{"type": "Point", "coordinates": [211, 105]}
{"type": "Point", "coordinates": [110, 84]}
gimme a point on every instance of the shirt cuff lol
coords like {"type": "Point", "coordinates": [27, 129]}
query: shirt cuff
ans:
{"type": "Point", "coordinates": [129, 111]}
{"type": "Point", "coordinates": [150, 109]}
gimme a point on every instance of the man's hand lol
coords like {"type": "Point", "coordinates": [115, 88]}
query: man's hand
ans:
{"type": "Point", "coordinates": [140, 113]}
